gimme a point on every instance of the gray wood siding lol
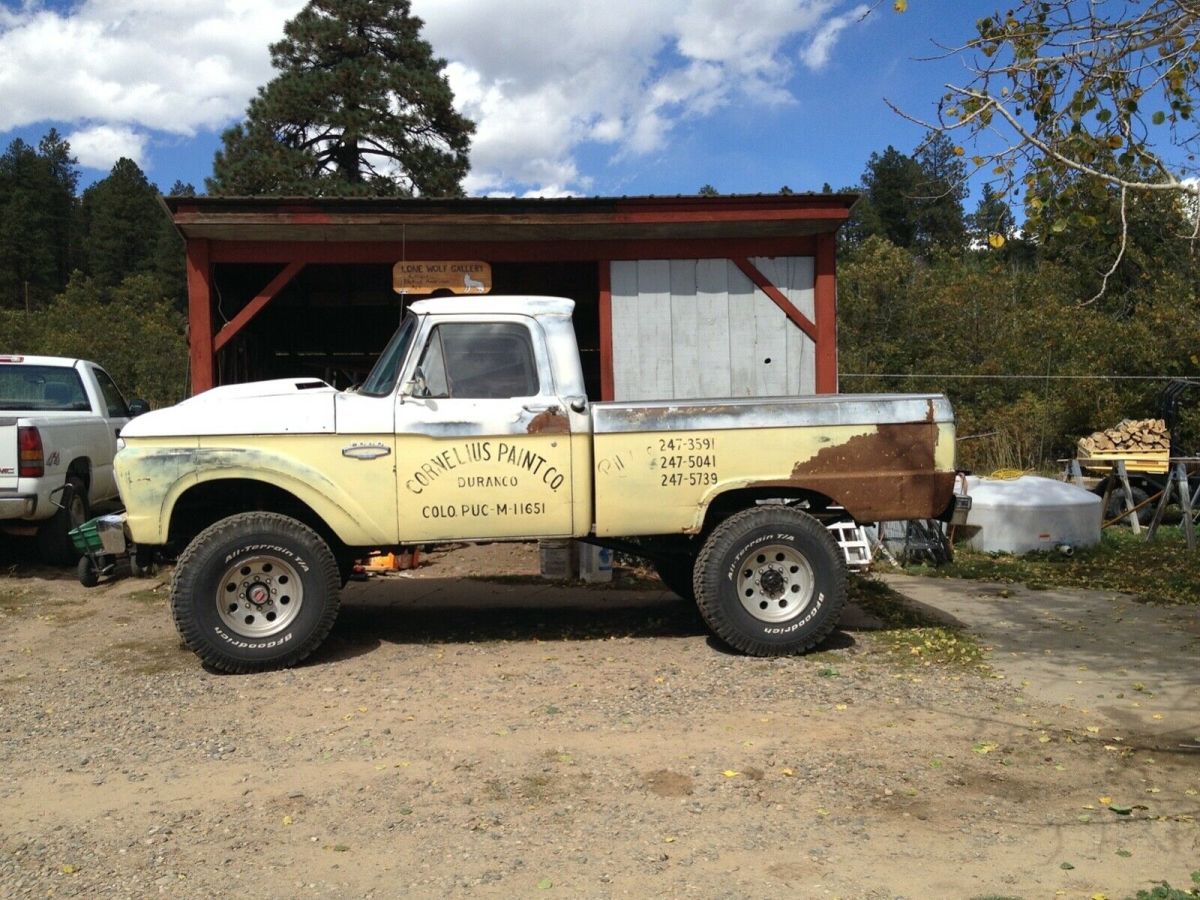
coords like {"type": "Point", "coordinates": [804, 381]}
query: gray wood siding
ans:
{"type": "Point", "coordinates": [696, 328]}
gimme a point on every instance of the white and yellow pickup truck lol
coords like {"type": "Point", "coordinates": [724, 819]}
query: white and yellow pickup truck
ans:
{"type": "Point", "coordinates": [474, 425]}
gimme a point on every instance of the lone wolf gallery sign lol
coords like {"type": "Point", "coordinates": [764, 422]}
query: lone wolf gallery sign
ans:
{"type": "Point", "coordinates": [426, 276]}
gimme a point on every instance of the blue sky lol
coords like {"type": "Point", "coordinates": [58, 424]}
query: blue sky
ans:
{"type": "Point", "coordinates": [622, 97]}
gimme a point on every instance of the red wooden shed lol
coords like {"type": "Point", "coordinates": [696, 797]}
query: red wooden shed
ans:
{"type": "Point", "coordinates": [675, 296]}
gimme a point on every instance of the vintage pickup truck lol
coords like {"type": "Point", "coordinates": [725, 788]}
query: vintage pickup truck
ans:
{"type": "Point", "coordinates": [474, 425]}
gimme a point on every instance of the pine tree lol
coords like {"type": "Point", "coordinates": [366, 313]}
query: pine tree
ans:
{"type": "Point", "coordinates": [891, 184]}
{"type": "Point", "coordinates": [127, 233]}
{"type": "Point", "coordinates": [992, 222]}
{"type": "Point", "coordinates": [915, 202]}
{"type": "Point", "coordinates": [121, 224]}
{"type": "Point", "coordinates": [360, 107]}
{"type": "Point", "coordinates": [941, 190]}
{"type": "Point", "coordinates": [36, 206]}
{"type": "Point", "coordinates": [60, 165]}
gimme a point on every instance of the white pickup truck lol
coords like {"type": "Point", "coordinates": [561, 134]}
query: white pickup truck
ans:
{"type": "Point", "coordinates": [474, 425]}
{"type": "Point", "coordinates": [59, 423]}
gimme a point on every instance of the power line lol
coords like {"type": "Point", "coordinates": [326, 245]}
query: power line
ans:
{"type": "Point", "coordinates": [1013, 377]}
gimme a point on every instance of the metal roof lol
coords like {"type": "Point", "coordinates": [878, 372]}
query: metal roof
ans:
{"type": "Point", "coordinates": [507, 219]}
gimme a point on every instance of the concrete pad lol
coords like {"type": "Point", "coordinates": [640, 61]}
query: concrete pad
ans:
{"type": "Point", "coordinates": [1135, 665]}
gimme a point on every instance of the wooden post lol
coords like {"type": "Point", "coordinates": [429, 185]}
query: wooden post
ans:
{"type": "Point", "coordinates": [825, 310]}
{"type": "Point", "coordinates": [1075, 474]}
{"type": "Point", "coordinates": [1177, 480]}
{"type": "Point", "coordinates": [200, 315]}
{"type": "Point", "coordinates": [1186, 504]}
{"type": "Point", "coordinates": [1163, 502]}
{"type": "Point", "coordinates": [604, 277]}
{"type": "Point", "coordinates": [1134, 524]}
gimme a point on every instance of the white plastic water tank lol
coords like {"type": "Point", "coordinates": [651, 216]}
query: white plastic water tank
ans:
{"type": "Point", "coordinates": [1030, 513]}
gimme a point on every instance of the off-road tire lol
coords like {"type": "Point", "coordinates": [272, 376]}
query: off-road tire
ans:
{"type": "Point", "coordinates": [55, 546]}
{"type": "Point", "coordinates": [255, 591]}
{"type": "Point", "coordinates": [771, 581]}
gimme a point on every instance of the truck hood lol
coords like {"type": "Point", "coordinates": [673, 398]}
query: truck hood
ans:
{"type": "Point", "coordinates": [282, 406]}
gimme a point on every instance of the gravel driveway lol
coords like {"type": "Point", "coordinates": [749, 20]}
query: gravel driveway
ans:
{"type": "Point", "coordinates": [462, 737]}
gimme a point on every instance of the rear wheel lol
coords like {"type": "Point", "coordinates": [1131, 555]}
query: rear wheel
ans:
{"type": "Point", "coordinates": [255, 591]}
{"type": "Point", "coordinates": [53, 537]}
{"type": "Point", "coordinates": [771, 581]}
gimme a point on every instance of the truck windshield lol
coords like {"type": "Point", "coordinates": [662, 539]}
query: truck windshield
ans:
{"type": "Point", "coordinates": [41, 389]}
{"type": "Point", "coordinates": [382, 379]}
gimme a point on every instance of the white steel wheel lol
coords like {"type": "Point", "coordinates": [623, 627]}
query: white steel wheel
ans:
{"type": "Point", "coordinates": [259, 596]}
{"type": "Point", "coordinates": [770, 581]}
{"type": "Point", "coordinates": [775, 583]}
{"type": "Point", "coordinates": [255, 591]}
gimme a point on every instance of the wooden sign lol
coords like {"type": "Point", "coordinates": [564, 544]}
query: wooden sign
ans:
{"type": "Point", "coordinates": [456, 275]}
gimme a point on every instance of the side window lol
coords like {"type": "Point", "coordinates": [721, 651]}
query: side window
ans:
{"type": "Point", "coordinates": [112, 397]}
{"type": "Point", "coordinates": [481, 361]}
{"type": "Point", "coordinates": [433, 366]}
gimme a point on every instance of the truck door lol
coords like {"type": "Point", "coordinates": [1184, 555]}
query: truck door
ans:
{"type": "Point", "coordinates": [482, 438]}
{"type": "Point", "coordinates": [114, 415]}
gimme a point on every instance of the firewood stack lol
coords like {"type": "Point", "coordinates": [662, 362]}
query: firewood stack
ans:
{"type": "Point", "coordinates": [1131, 436]}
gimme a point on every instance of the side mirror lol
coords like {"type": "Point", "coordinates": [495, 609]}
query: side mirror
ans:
{"type": "Point", "coordinates": [137, 407]}
{"type": "Point", "coordinates": [417, 386]}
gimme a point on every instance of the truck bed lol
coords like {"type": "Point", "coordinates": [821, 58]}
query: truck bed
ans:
{"type": "Point", "coordinates": [881, 456]}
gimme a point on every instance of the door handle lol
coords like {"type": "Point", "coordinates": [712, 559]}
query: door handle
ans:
{"type": "Point", "coordinates": [535, 408]}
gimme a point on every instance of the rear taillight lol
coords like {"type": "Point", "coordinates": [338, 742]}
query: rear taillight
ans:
{"type": "Point", "coordinates": [30, 461]}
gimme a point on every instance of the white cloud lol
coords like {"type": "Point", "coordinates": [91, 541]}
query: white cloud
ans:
{"type": "Point", "coordinates": [101, 146]}
{"type": "Point", "coordinates": [541, 78]}
{"type": "Point", "coordinates": [160, 65]}
{"type": "Point", "coordinates": [816, 54]}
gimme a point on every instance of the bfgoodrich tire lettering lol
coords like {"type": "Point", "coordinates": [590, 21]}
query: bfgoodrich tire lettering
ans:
{"type": "Point", "coordinates": [255, 591]}
{"type": "Point", "coordinates": [771, 581]}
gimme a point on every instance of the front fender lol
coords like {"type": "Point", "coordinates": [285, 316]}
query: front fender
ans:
{"type": "Point", "coordinates": [153, 479]}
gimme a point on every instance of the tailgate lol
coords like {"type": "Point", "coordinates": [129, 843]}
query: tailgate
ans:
{"type": "Point", "coordinates": [8, 453]}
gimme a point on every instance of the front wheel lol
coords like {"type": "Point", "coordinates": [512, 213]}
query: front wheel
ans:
{"type": "Point", "coordinates": [255, 591]}
{"type": "Point", "coordinates": [771, 581]}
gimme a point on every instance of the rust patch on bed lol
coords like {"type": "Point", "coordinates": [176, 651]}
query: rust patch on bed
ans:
{"type": "Point", "coordinates": [550, 421]}
{"type": "Point", "coordinates": [886, 475]}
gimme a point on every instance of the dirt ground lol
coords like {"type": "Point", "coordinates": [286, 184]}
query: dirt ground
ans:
{"type": "Point", "coordinates": [481, 738]}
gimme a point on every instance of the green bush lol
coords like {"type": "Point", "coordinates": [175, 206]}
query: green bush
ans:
{"type": "Point", "coordinates": [133, 330]}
